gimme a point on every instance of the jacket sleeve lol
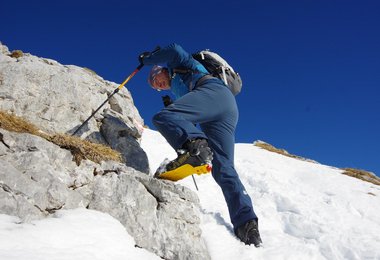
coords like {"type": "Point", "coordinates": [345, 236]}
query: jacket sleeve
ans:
{"type": "Point", "coordinates": [173, 55]}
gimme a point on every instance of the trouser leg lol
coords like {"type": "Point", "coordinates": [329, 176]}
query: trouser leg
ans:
{"type": "Point", "coordinates": [223, 171]}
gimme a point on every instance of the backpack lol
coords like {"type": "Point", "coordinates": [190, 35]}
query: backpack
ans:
{"type": "Point", "coordinates": [219, 68]}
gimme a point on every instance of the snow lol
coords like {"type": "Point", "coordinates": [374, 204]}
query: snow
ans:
{"type": "Point", "coordinates": [72, 234]}
{"type": "Point", "coordinates": [306, 211]}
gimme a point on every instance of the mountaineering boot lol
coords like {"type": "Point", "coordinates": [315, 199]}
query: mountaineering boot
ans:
{"type": "Point", "coordinates": [194, 158]}
{"type": "Point", "coordinates": [249, 233]}
{"type": "Point", "coordinates": [196, 153]}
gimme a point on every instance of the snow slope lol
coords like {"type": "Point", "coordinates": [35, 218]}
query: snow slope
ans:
{"type": "Point", "coordinates": [306, 211]}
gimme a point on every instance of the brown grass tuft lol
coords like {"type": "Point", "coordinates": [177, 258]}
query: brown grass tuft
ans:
{"type": "Point", "coordinates": [16, 54]}
{"type": "Point", "coordinates": [16, 124]}
{"type": "Point", "coordinates": [362, 175]}
{"type": "Point", "coordinates": [83, 149]}
{"type": "Point", "coordinates": [80, 149]}
{"type": "Point", "coordinates": [271, 148]}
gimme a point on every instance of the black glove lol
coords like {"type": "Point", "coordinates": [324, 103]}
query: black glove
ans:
{"type": "Point", "coordinates": [167, 100]}
{"type": "Point", "coordinates": [143, 55]}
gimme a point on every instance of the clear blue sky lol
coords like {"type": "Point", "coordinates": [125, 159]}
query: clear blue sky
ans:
{"type": "Point", "coordinates": [310, 69]}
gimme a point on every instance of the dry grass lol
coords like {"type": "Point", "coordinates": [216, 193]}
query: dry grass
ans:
{"type": "Point", "coordinates": [80, 149]}
{"type": "Point", "coordinates": [16, 54]}
{"type": "Point", "coordinates": [17, 124]}
{"type": "Point", "coordinates": [83, 149]}
{"type": "Point", "coordinates": [271, 148]}
{"type": "Point", "coordinates": [362, 175]}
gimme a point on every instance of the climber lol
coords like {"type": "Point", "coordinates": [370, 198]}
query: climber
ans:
{"type": "Point", "coordinates": [205, 100]}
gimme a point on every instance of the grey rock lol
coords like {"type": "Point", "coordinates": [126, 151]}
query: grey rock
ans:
{"type": "Point", "coordinates": [37, 178]}
{"type": "Point", "coordinates": [18, 196]}
{"type": "Point", "coordinates": [152, 211]}
{"type": "Point", "coordinates": [59, 98]}
{"type": "Point", "coordinates": [120, 137]}
{"type": "Point", "coordinates": [4, 49]}
{"type": "Point", "coordinates": [161, 216]}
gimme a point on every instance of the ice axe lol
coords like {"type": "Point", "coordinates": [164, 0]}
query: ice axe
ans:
{"type": "Point", "coordinates": [114, 92]}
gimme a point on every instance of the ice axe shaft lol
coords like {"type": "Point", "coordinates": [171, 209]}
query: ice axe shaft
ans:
{"type": "Point", "coordinates": [110, 96]}
{"type": "Point", "coordinates": [115, 91]}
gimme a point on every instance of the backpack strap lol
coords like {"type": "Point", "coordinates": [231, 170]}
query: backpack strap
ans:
{"type": "Point", "coordinates": [183, 70]}
{"type": "Point", "coordinates": [204, 78]}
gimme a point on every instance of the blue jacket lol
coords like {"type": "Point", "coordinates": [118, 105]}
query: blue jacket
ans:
{"type": "Point", "coordinates": [175, 57]}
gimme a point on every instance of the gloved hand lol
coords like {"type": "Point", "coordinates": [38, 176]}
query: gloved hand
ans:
{"type": "Point", "coordinates": [142, 56]}
{"type": "Point", "coordinates": [167, 100]}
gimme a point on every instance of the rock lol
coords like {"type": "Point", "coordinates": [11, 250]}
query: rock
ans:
{"type": "Point", "coordinates": [13, 200]}
{"type": "Point", "coordinates": [59, 98]}
{"type": "Point", "coordinates": [152, 211]}
{"type": "Point", "coordinates": [37, 178]}
{"type": "Point", "coordinates": [120, 137]}
{"type": "Point", "coordinates": [4, 49]}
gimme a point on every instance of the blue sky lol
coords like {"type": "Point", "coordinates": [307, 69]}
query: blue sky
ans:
{"type": "Point", "coordinates": [310, 69]}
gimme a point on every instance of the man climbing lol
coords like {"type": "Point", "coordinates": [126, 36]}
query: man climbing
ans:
{"type": "Point", "coordinates": [205, 100]}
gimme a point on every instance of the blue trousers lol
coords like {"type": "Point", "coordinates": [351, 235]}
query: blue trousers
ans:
{"type": "Point", "coordinates": [213, 107]}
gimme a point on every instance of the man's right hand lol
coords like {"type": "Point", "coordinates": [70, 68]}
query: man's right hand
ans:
{"type": "Point", "coordinates": [142, 56]}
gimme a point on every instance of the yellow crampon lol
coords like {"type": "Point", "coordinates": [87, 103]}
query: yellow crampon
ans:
{"type": "Point", "coordinates": [184, 171]}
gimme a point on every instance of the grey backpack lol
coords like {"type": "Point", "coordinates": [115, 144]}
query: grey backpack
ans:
{"type": "Point", "coordinates": [218, 67]}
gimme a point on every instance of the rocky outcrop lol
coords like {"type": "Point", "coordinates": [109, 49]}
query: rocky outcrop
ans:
{"type": "Point", "coordinates": [37, 178]}
{"type": "Point", "coordinates": [160, 216]}
{"type": "Point", "coordinates": [123, 139]}
{"type": "Point", "coordinates": [59, 98]}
